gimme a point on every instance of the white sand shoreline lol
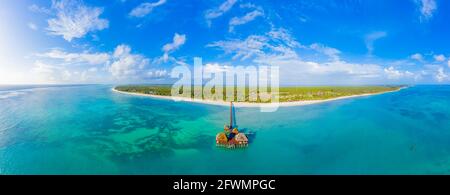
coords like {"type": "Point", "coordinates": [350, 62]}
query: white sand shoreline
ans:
{"type": "Point", "coordinates": [247, 104]}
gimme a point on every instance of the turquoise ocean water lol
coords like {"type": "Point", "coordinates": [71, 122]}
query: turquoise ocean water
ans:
{"type": "Point", "coordinates": [92, 130]}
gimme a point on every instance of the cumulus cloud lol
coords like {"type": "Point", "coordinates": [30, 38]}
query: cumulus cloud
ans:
{"type": "Point", "coordinates": [441, 76]}
{"type": "Point", "coordinates": [219, 11]}
{"type": "Point", "coordinates": [121, 64]}
{"type": "Point", "coordinates": [371, 38]}
{"type": "Point", "coordinates": [177, 42]}
{"type": "Point", "coordinates": [439, 58]}
{"type": "Point", "coordinates": [125, 64]}
{"type": "Point", "coordinates": [296, 65]}
{"type": "Point", "coordinates": [295, 70]}
{"type": "Point", "coordinates": [242, 49]}
{"type": "Point", "coordinates": [417, 56]}
{"type": "Point", "coordinates": [75, 20]}
{"type": "Point", "coordinates": [145, 8]}
{"type": "Point", "coordinates": [79, 76]}
{"type": "Point", "coordinates": [427, 9]}
{"type": "Point", "coordinates": [250, 16]}
{"type": "Point", "coordinates": [393, 73]}
{"type": "Point", "coordinates": [55, 73]}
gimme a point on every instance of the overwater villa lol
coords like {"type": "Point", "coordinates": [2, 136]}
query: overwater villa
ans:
{"type": "Point", "coordinates": [231, 137]}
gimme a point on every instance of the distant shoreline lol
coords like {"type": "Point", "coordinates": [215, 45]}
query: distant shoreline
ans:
{"type": "Point", "coordinates": [248, 104]}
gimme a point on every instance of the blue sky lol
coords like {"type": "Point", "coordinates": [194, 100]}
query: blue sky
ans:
{"type": "Point", "coordinates": [314, 42]}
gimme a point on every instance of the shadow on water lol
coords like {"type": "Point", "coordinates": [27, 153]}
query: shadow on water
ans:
{"type": "Point", "coordinates": [251, 135]}
{"type": "Point", "coordinates": [233, 113]}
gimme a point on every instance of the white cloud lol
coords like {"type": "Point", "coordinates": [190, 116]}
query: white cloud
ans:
{"type": "Point", "coordinates": [215, 68]}
{"type": "Point", "coordinates": [417, 56]}
{"type": "Point", "coordinates": [248, 5]}
{"type": "Point", "coordinates": [64, 66]}
{"type": "Point", "coordinates": [393, 73]}
{"type": "Point", "coordinates": [439, 58]}
{"type": "Point", "coordinates": [93, 69]}
{"type": "Point", "coordinates": [250, 47]}
{"type": "Point", "coordinates": [270, 49]}
{"type": "Point", "coordinates": [276, 42]}
{"type": "Point", "coordinates": [448, 63]}
{"type": "Point", "coordinates": [441, 76]}
{"type": "Point", "coordinates": [177, 42]}
{"type": "Point", "coordinates": [120, 64]}
{"type": "Point", "coordinates": [77, 58]}
{"type": "Point", "coordinates": [349, 69]}
{"type": "Point", "coordinates": [77, 76]}
{"type": "Point", "coordinates": [280, 49]}
{"type": "Point", "coordinates": [43, 68]}
{"type": "Point", "coordinates": [333, 53]}
{"type": "Point", "coordinates": [282, 35]}
{"type": "Point", "coordinates": [250, 16]}
{"type": "Point", "coordinates": [84, 76]}
{"type": "Point", "coordinates": [44, 72]}
{"type": "Point", "coordinates": [303, 19]}
{"type": "Point", "coordinates": [74, 19]}
{"type": "Point", "coordinates": [36, 9]}
{"type": "Point", "coordinates": [66, 75]}
{"type": "Point", "coordinates": [126, 64]}
{"type": "Point", "coordinates": [219, 11]}
{"type": "Point", "coordinates": [338, 67]}
{"type": "Point", "coordinates": [371, 38]}
{"type": "Point", "coordinates": [32, 26]}
{"type": "Point", "coordinates": [294, 70]}
{"type": "Point", "coordinates": [427, 9]}
{"type": "Point", "coordinates": [49, 73]}
{"type": "Point", "coordinates": [145, 8]}
{"type": "Point", "coordinates": [157, 74]}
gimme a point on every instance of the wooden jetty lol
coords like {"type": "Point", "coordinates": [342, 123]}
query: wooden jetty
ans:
{"type": "Point", "coordinates": [231, 137]}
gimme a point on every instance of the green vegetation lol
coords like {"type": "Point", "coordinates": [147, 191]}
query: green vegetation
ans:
{"type": "Point", "coordinates": [287, 94]}
{"type": "Point", "coordinates": [164, 90]}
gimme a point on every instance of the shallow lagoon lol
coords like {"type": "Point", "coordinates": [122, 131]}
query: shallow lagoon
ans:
{"type": "Point", "coordinates": [92, 130]}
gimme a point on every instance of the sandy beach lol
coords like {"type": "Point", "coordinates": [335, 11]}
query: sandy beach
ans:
{"type": "Point", "coordinates": [248, 104]}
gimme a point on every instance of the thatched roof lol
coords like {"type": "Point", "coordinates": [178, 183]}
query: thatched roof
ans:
{"type": "Point", "coordinates": [240, 137]}
{"type": "Point", "coordinates": [221, 137]}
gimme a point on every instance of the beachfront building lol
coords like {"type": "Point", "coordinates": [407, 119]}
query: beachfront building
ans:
{"type": "Point", "coordinates": [231, 137]}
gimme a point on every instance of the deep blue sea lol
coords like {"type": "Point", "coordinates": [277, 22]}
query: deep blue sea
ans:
{"type": "Point", "coordinates": [90, 129]}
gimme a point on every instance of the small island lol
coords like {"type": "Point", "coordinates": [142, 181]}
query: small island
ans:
{"type": "Point", "coordinates": [288, 96]}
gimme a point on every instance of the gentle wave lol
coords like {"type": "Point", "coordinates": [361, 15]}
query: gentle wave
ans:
{"type": "Point", "coordinates": [11, 94]}
{"type": "Point", "coordinates": [30, 87]}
